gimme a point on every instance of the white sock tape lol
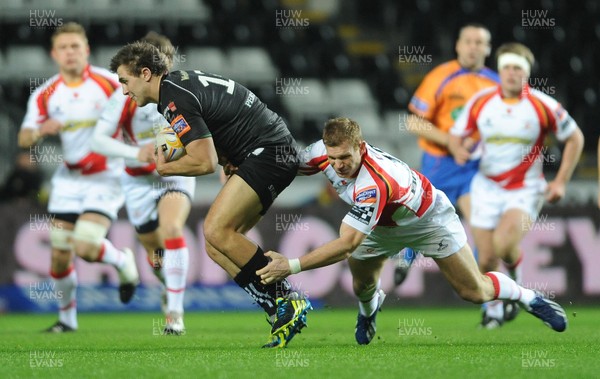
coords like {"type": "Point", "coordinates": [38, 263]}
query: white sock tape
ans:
{"type": "Point", "coordinates": [295, 265]}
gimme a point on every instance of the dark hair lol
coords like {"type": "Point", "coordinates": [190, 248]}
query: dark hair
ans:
{"type": "Point", "coordinates": [137, 55]}
{"type": "Point", "coordinates": [476, 25]}
{"type": "Point", "coordinates": [341, 129]}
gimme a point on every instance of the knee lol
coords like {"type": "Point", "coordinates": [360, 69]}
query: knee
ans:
{"type": "Point", "coordinates": [171, 230]}
{"type": "Point", "coordinates": [216, 234]}
{"type": "Point", "coordinates": [61, 260]}
{"type": "Point", "coordinates": [87, 239]}
{"type": "Point", "coordinates": [212, 253]}
{"type": "Point", "coordinates": [503, 244]}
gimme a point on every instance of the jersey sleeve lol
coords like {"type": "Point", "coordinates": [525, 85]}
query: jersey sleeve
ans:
{"type": "Point", "coordinates": [313, 159]}
{"type": "Point", "coordinates": [103, 141]}
{"type": "Point", "coordinates": [559, 120]}
{"type": "Point", "coordinates": [187, 119]}
{"type": "Point", "coordinates": [36, 111]}
{"type": "Point", "coordinates": [368, 204]}
{"type": "Point", "coordinates": [424, 103]}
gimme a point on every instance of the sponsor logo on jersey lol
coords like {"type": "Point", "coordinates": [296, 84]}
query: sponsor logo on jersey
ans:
{"type": "Point", "coordinates": [362, 214]}
{"type": "Point", "coordinates": [180, 126]}
{"type": "Point", "coordinates": [366, 195]}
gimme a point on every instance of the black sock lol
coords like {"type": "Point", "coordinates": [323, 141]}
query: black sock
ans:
{"type": "Point", "coordinates": [264, 295]}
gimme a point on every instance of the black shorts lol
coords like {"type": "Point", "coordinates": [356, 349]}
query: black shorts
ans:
{"type": "Point", "coordinates": [270, 169]}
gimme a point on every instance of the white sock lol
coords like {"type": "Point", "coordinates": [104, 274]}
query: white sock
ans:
{"type": "Point", "coordinates": [175, 265]}
{"type": "Point", "coordinates": [507, 289]}
{"type": "Point", "coordinates": [111, 255]}
{"type": "Point", "coordinates": [66, 287]}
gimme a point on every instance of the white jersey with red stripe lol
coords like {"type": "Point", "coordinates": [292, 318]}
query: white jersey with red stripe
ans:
{"type": "Point", "coordinates": [512, 133]}
{"type": "Point", "coordinates": [77, 108]}
{"type": "Point", "coordinates": [385, 192]}
{"type": "Point", "coordinates": [137, 125]}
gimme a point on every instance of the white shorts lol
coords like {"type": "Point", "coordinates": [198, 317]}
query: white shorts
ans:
{"type": "Point", "coordinates": [143, 192]}
{"type": "Point", "coordinates": [489, 201]}
{"type": "Point", "coordinates": [438, 234]}
{"type": "Point", "coordinates": [76, 193]}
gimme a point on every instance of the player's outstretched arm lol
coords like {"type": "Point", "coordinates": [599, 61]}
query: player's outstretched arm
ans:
{"type": "Point", "coordinates": [337, 250]}
{"type": "Point", "coordinates": [200, 159]}
{"type": "Point", "coordinates": [571, 153]}
{"type": "Point", "coordinates": [29, 136]}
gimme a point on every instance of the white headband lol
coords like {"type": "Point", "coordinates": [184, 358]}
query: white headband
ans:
{"type": "Point", "coordinates": [514, 59]}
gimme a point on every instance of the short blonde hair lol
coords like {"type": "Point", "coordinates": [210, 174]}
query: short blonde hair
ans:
{"type": "Point", "coordinates": [516, 48]}
{"type": "Point", "coordinates": [69, 27]}
{"type": "Point", "coordinates": [341, 129]}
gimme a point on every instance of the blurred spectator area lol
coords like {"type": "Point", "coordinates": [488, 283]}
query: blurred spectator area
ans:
{"type": "Point", "coordinates": [313, 59]}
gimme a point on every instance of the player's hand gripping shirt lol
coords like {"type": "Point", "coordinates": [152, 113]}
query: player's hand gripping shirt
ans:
{"type": "Point", "coordinates": [77, 108]}
{"type": "Point", "coordinates": [513, 133]}
{"type": "Point", "coordinates": [385, 192]}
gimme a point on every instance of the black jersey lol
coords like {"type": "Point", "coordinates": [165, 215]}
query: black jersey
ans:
{"type": "Point", "coordinates": [200, 105]}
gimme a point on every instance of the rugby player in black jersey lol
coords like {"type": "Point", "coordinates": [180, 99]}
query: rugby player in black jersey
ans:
{"type": "Point", "coordinates": [221, 122]}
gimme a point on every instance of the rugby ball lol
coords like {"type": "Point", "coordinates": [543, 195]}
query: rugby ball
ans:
{"type": "Point", "coordinates": [169, 144]}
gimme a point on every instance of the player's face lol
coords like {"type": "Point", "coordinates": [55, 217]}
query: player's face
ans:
{"type": "Point", "coordinates": [136, 87]}
{"type": "Point", "coordinates": [345, 159]}
{"type": "Point", "coordinates": [512, 78]}
{"type": "Point", "coordinates": [472, 47]}
{"type": "Point", "coordinates": [70, 51]}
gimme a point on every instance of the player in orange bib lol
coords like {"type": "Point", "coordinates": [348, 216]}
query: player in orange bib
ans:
{"type": "Point", "coordinates": [435, 106]}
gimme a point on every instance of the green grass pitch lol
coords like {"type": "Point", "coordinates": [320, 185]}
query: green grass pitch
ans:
{"type": "Point", "coordinates": [410, 343]}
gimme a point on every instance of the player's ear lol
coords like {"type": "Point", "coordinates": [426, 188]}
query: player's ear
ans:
{"type": "Point", "coordinates": [146, 74]}
{"type": "Point", "coordinates": [362, 147]}
{"type": "Point", "coordinates": [488, 51]}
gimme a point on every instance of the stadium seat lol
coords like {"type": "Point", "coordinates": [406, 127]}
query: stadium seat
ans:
{"type": "Point", "coordinates": [407, 148]}
{"type": "Point", "coordinates": [305, 97]}
{"type": "Point", "coordinates": [351, 93]}
{"type": "Point", "coordinates": [103, 54]}
{"type": "Point", "coordinates": [27, 61]}
{"type": "Point", "coordinates": [208, 59]}
{"type": "Point", "coordinates": [369, 120]}
{"type": "Point", "coordinates": [252, 65]}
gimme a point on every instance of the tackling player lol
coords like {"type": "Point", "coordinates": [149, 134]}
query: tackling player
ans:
{"type": "Point", "coordinates": [394, 207]}
{"type": "Point", "coordinates": [86, 194]}
{"type": "Point", "coordinates": [157, 206]}
{"type": "Point", "coordinates": [513, 120]}
{"type": "Point", "coordinates": [220, 121]}
{"type": "Point", "coordinates": [435, 106]}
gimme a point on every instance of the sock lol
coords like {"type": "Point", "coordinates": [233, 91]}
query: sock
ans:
{"type": "Point", "coordinates": [176, 261]}
{"type": "Point", "coordinates": [369, 300]}
{"type": "Point", "coordinates": [66, 287]}
{"type": "Point", "coordinates": [515, 270]}
{"type": "Point", "coordinates": [264, 296]}
{"type": "Point", "coordinates": [111, 255]}
{"type": "Point", "coordinates": [507, 289]}
{"type": "Point", "coordinates": [495, 309]}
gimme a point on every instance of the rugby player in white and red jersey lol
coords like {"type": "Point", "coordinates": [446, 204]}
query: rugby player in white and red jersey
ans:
{"type": "Point", "coordinates": [507, 193]}
{"type": "Point", "coordinates": [86, 193]}
{"type": "Point", "coordinates": [157, 206]}
{"type": "Point", "coordinates": [394, 207]}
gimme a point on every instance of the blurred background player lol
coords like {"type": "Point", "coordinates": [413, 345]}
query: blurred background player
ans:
{"type": "Point", "coordinates": [435, 106]}
{"type": "Point", "coordinates": [220, 121]}
{"type": "Point", "coordinates": [157, 206]}
{"type": "Point", "coordinates": [86, 194]}
{"type": "Point", "coordinates": [508, 192]}
{"type": "Point", "coordinates": [394, 207]}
